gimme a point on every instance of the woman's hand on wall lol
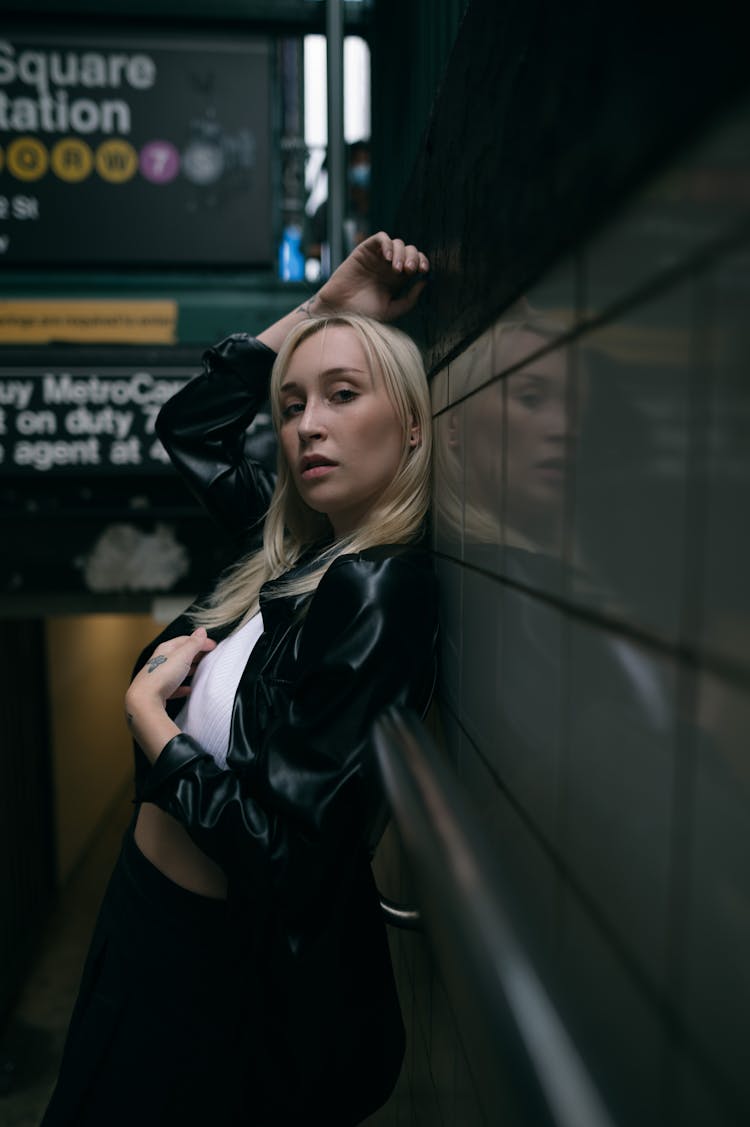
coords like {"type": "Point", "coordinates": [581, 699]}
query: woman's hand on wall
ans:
{"type": "Point", "coordinates": [381, 278]}
{"type": "Point", "coordinates": [163, 678]}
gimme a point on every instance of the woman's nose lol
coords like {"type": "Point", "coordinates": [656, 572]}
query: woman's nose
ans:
{"type": "Point", "coordinates": [310, 422]}
{"type": "Point", "coordinates": [558, 421]}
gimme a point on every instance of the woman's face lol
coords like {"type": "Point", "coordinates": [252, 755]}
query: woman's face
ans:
{"type": "Point", "coordinates": [538, 435]}
{"type": "Point", "coordinates": [339, 432]}
{"type": "Point", "coordinates": [527, 413]}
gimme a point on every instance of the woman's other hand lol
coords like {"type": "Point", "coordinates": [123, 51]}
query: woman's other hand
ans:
{"type": "Point", "coordinates": [163, 678]}
{"type": "Point", "coordinates": [381, 278]}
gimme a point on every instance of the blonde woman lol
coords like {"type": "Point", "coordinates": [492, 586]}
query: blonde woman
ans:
{"type": "Point", "coordinates": [239, 971]}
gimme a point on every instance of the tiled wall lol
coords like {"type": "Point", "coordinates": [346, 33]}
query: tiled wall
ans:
{"type": "Point", "coordinates": [592, 539]}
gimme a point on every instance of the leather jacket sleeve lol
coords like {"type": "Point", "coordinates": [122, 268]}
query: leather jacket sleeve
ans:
{"type": "Point", "coordinates": [300, 811]}
{"type": "Point", "coordinates": [203, 428]}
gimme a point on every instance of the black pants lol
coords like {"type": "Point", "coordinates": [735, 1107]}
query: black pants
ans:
{"type": "Point", "coordinates": [159, 1033]}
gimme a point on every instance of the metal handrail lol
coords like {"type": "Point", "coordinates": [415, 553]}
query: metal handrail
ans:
{"type": "Point", "coordinates": [487, 972]}
{"type": "Point", "coordinates": [402, 916]}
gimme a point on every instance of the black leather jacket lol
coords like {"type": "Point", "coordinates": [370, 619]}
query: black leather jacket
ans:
{"type": "Point", "coordinates": [293, 817]}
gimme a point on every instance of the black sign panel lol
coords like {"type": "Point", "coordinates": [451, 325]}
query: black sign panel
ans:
{"type": "Point", "coordinates": [96, 419]}
{"type": "Point", "coordinates": [61, 420]}
{"type": "Point", "coordinates": [139, 151]}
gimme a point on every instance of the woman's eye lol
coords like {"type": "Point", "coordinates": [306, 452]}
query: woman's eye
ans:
{"type": "Point", "coordinates": [530, 399]}
{"type": "Point", "coordinates": [344, 395]}
{"type": "Point", "coordinates": [291, 410]}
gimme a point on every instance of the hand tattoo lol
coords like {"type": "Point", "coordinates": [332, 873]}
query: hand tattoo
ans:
{"type": "Point", "coordinates": [155, 662]}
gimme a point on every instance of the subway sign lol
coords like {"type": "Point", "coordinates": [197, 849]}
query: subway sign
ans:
{"type": "Point", "coordinates": [134, 150]}
{"type": "Point", "coordinates": [83, 420]}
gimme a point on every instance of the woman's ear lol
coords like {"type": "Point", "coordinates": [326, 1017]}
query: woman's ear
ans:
{"type": "Point", "coordinates": [415, 434]}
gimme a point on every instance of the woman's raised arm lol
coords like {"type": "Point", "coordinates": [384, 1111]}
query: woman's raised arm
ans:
{"type": "Point", "coordinates": [381, 278]}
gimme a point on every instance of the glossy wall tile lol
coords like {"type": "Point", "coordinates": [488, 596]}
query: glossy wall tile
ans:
{"type": "Point", "coordinates": [696, 1100]}
{"type": "Point", "coordinates": [634, 379]}
{"type": "Point", "coordinates": [615, 1027]}
{"type": "Point", "coordinates": [526, 753]}
{"type": "Point", "coordinates": [527, 872]}
{"type": "Point", "coordinates": [472, 368]}
{"type": "Point", "coordinates": [618, 781]}
{"type": "Point", "coordinates": [549, 119]}
{"type": "Point", "coordinates": [717, 928]}
{"type": "Point", "coordinates": [480, 652]}
{"type": "Point", "coordinates": [698, 200]}
{"type": "Point", "coordinates": [723, 541]}
{"type": "Point", "coordinates": [555, 298]}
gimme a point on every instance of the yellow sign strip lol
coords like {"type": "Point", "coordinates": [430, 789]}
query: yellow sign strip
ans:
{"type": "Point", "coordinates": [88, 322]}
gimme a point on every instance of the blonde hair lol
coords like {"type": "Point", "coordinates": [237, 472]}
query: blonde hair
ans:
{"type": "Point", "coordinates": [290, 525]}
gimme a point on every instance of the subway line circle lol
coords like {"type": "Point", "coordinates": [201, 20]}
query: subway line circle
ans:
{"type": "Point", "coordinates": [27, 158]}
{"type": "Point", "coordinates": [72, 160]}
{"type": "Point", "coordinates": [116, 161]}
{"type": "Point", "coordinates": [159, 162]}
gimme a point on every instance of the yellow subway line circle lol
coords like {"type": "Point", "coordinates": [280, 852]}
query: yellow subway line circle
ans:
{"type": "Point", "coordinates": [27, 158]}
{"type": "Point", "coordinates": [72, 160]}
{"type": "Point", "coordinates": [116, 161]}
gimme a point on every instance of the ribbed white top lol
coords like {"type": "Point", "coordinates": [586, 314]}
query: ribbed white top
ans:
{"type": "Point", "coordinates": [207, 712]}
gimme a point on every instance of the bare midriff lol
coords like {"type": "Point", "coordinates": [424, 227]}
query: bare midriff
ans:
{"type": "Point", "coordinates": [169, 847]}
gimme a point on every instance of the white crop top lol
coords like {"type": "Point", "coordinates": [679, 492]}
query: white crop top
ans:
{"type": "Point", "coordinates": [207, 712]}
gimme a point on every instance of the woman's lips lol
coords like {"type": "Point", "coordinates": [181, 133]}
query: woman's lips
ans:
{"type": "Point", "coordinates": [553, 467]}
{"type": "Point", "coordinates": [317, 471]}
{"type": "Point", "coordinates": [315, 466]}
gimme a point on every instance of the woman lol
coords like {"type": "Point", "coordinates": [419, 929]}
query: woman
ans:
{"type": "Point", "coordinates": [239, 971]}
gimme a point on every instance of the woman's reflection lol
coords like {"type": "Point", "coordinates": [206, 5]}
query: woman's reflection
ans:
{"type": "Point", "coordinates": [506, 458]}
{"type": "Point", "coordinates": [506, 451]}
{"type": "Point", "coordinates": [539, 448]}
